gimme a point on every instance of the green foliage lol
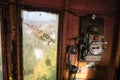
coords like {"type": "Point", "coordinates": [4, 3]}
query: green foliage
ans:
{"type": "Point", "coordinates": [38, 69]}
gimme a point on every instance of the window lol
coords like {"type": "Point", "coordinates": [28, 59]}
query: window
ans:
{"type": "Point", "coordinates": [39, 41]}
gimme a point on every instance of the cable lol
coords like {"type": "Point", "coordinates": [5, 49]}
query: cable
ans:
{"type": "Point", "coordinates": [76, 72]}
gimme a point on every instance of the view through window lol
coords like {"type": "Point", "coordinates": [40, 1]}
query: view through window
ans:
{"type": "Point", "coordinates": [40, 41]}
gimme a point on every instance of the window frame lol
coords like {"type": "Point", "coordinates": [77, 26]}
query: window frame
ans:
{"type": "Point", "coordinates": [4, 41]}
{"type": "Point", "coordinates": [59, 47]}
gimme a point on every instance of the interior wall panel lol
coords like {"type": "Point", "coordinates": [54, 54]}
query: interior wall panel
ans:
{"type": "Point", "coordinates": [109, 24]}
{"type": "Point", "coordinates": [44, 3]}
{"type": "Point", "coordinates": [73, 26]}
{"type": "Point", "coordinates": [93, 5]}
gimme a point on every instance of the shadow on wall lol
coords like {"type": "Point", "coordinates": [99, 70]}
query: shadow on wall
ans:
{"type": "Point", "coordinates": [100, 73]}
{"type": "Point", "coordinates": [118, 73]}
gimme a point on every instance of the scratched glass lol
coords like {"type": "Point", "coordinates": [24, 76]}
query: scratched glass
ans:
{"type": "Point", "coordinates": [40, 38]}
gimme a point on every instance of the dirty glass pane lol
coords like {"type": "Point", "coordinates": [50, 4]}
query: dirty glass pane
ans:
{"type": "Point", "coordinates": [1, 70]}
{"type": "Point", "coordinates": [40, 38]}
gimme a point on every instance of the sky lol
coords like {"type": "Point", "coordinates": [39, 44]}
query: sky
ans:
{"type": "Point", "coordinates": [39, 16]}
